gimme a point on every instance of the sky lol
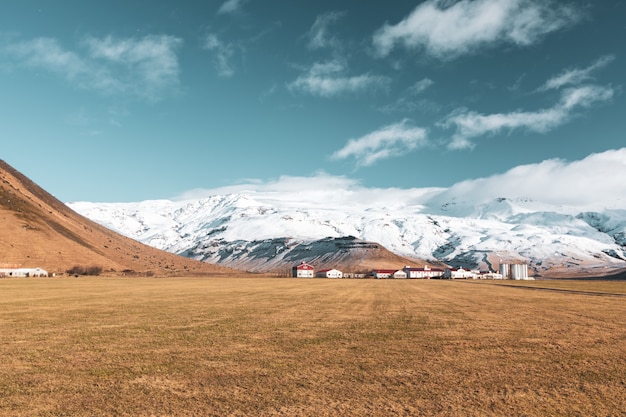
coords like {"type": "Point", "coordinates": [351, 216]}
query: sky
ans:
{"type": "Point", "coordinates": [135, 100]}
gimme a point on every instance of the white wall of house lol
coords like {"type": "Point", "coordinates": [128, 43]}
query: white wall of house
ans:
{"type": "Point", "coordinates": [399, 274]}
{"type": "Point", "coordinates": [330, 273]}
{"type": "Point", "coordinates": [23, 272]}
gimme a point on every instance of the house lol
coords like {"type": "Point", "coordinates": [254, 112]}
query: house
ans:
{"type": "Point", "coordinates": [459, 273]}
{"type": "Point", "coordinates": [425, 272]}
{"type": "Point", "coordinates": [388, 273]}
{"type": "Point", "coordinates": [303, 270]}
{"type": "Point", "coordinates": [354, 275]}
{"type": "Point", "coordinates": [23, 272]}
{"type": "Point", "coordinates": [489, 275]}
{"type": "Point", "coordinates": [329, 273]}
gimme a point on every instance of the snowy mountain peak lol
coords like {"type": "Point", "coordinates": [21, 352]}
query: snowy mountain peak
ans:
{"type": "Point", "coordinates": [231, 228]}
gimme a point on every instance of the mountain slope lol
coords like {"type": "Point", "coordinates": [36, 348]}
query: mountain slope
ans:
{"type": "Point", "coordinates": [347, 254]}
{"type": "Point", "coordinates": [257, 232]}
{"type": "Point", "coordinates": [40, 231]}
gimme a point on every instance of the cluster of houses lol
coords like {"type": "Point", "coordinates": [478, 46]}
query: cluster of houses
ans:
{"type": "Point", "coordinates": [507, 271]}
{"type": "Point", "coordinates": [15, 271]}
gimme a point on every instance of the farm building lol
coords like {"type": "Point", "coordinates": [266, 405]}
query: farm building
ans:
{"type": "Point", "coordinates": [329, 273]}
{"type": "Point", "coordinates": [425, 272]}
{"type": "Point", "coordinates": [388, 273]}
{"type": "Point", "coordinates": [23, 272]}
{"type": "Point", "coordinates": [489, 275]}
{"type": "Point", "coordinates": [303, 270]}
{"type": "Point", "coordinates": [514, 271]}
{"type": "Point", "coordinates": [459, 273]}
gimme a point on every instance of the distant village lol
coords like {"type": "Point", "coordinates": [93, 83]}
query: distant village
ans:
{"type": "Point", "coordinates": [516, 271]}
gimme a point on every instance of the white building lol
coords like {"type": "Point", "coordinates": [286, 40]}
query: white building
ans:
{"type": "Point", "coordinates": [490, 275]}
{"type": "Point", "coordinates": [459, 273]}
{"type": "Point", "coordinates": [329, 273]}
{"type": "Point", "coordinates": [303, 270]}
{"type": "Point", "coordinates": [425, 272]}
{"type": "Point", "coordinates": [388, 273]}
{"type": "Point", "coordinates": [23, 272]}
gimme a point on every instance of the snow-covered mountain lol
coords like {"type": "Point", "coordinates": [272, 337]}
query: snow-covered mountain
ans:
{"type": "Point", "coordinates": [262, 232]}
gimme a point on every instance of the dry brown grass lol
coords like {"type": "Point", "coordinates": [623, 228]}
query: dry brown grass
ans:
{"type": "Point", "coordinates": [259, 347]}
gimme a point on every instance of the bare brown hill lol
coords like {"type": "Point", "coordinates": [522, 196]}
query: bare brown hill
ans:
{"type": "Point", "coordinates": [38, 230]}
{"type": "Point", "coordinates": [347, 254]}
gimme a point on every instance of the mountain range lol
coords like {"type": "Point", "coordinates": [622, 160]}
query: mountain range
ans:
{"type": "Point", "coordinates": [262, 232]}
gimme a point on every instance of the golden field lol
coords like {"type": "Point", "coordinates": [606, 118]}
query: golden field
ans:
{"type": "Point", "coordinates": [309, 347]}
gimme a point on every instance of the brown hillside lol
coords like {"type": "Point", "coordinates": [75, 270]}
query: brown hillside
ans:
{"type": "Point", "coordinates": [363, 257]}
{"type": "Point", "coordinates": [37, 230]}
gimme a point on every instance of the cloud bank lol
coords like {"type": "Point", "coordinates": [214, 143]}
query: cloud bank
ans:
{"type": "Point", "coordinates": [146, 66]}
{"type": "Point", "coordinates": [447, 29]}
{"type": "Point", "coordinates": [590, 183]}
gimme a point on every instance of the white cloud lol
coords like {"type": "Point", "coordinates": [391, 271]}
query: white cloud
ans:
{"type": "Point", "coordinates": [408, 103]}
{"type": "Point", "coordinates": [592, 181]}
{"type": "Point", "coordinates": [146, 67]}
{"type": "Point", "coordinates": [319, 36]}
{"type": "Point", "coordinates": [447, 29]}
{"type": "Point", "coordinates": [576, 75]}
{"type": "Point", "coordinates": [317, 191]}
{"type": "Point", "coordinates": [230, 6]}
{"type": "Point", "coordinates": [421, 86]}
{"type": "Point", "coordinates": [471, 124]}
{"type": "Point", "coordinates": [223, 54]}
{"type": "Point", "coordinates": [328, 79]}
{"type": "Point", "coordinates": [389, 141]}
{"type": "Point", "coordinates": [150, 60]}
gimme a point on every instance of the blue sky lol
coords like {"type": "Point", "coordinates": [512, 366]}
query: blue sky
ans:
{"type": "Point", "coordinates": [136, 100]}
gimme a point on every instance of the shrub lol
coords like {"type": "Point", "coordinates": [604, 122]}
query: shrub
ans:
{"type": "Point", "coordinates": [93, 270]}
{"type": "Point", "coordinates": [81, 270]}
{"type": "Point", "coordinates": [76, 270]}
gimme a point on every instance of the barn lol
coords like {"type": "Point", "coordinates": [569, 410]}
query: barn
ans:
{"type": "Point", "coordinates": [425, 272]}
{"type": "Point", "coordinates": [303, 270]}
{"type": "Point", "coordinates": [23, 272]}
{"type": "Point", "coordinates": [388, 273]}
{"type": "Point", "coordinates": [329, 273]}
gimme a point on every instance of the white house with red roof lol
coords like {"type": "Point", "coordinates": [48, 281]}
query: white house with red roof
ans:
{"type": "Point", "coordinates": [388, 273]}
{"type": "Point", "coordinates": [303, 270]}
{"type": "Point", "coordinates": [329, 273]}
{"type": "Point", "coordinates": [425, 272]}
{"type": "Point", "coordinates": [460, 273]}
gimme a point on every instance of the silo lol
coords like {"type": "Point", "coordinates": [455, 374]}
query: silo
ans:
{"type": "Point", "coordinates": [519, 271]}
{"type": "Point", "coordinates": [505, 271]}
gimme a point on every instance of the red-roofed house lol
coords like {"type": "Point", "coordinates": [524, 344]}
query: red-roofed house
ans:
{"type": "Point", "coordinates": [303, 270]}
{"type": "Point", "coordinates": [425, 272]}
{"type": "Point", "coordinates": [388, 273]}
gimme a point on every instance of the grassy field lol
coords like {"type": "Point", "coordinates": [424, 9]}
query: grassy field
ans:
{"type": "Point", "coordinates": [263, 347]}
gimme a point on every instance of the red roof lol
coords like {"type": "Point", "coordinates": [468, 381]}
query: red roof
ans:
{"type": "Point", "coordinates": [304, 266]}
